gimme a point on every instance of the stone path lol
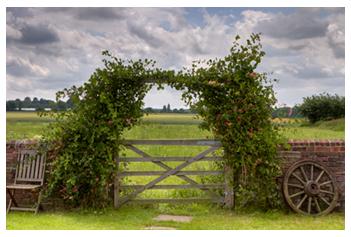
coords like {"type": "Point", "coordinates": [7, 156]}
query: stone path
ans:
{"type": "Point", "coordinates": [159, 228]}
{"type": "Point", "coordinates": [183, 219]}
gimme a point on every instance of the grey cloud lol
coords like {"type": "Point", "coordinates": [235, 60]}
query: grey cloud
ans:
{"type": "Point", "coordinates": [312, 72]}
{"type": "Point", "coordinates": [22, 68]}
{"type": "Point", "coordinates": [19, 11]}
{"type": "Point", "coordinates": [300, 25]}
{"type": "Point", "coordinates": [16, 69]}
{"type": "Point", "coordinates": [144, 35]}
{"type": "Point", "coordinates": [100, 13]}
{"type": "Point", "coordinates": [338, 50]}
{"type": "Point", "coordinates": [38, 34]}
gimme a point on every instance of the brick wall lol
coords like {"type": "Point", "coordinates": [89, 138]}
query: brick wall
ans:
{"type": "Point", "coordinates": [25, 197]}
{"type": "Point", "coordinates": [330, 153]}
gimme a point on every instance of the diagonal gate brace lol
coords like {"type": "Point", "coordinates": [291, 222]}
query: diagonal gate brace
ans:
{"type": "Point", "coordinates": [167, 174]}
{"type": "Point", "coordinates": [167, 168]}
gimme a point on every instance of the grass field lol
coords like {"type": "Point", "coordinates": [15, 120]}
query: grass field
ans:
{"type": "Point", "coordinates": [22, 125]}
{"type": "Point", "coordinates": [204, 218]}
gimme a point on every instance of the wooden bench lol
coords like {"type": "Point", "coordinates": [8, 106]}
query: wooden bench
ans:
{"type": "Point", "coordinates": [30, 170]}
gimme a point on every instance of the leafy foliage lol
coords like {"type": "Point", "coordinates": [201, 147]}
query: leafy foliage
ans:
{"type": "Point", "coordinates": [87, 138]}
{"type": "Point", "coordinates": [323, 107]}
{"type": "Point", "coordinates": [235, 103]}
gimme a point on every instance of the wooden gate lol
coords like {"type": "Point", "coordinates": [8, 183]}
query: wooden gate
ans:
{"type": "Point", "coordinates": [213, 145]}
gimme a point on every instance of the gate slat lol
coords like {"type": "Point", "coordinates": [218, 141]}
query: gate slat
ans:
{"type": "Point", "coordinates": [168, 173]}
{"type": "Point", "coordinates": [188, 142]}
{"type": "Point", "coordinates": [168, 158]}
{"type": "Point", "coordinates": [176, 186]}
{"type": "Point", "coordinates": [166, 167]}
{"type": "Point", "coordinates": [177, 200]}
{"type": "Point", "coordinates": [153, 173]}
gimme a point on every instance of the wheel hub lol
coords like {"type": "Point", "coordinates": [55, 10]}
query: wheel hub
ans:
{"type": "Point", "coordinates": [312, 188]}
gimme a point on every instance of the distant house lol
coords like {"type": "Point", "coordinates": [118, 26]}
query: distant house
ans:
{"type": "Point", "coordinates": [28, 109]}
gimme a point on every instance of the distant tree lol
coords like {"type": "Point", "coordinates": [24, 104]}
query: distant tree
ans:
{"type": "Point", "coordinates": [27, 102]}
{"type": "Point", "coordinates": [18, 104]}
{"type": "Point", "coordinates": [164, 109]}
{"type": "Point", "coordinates": [45, 103]}
{"type": "Point", "coordinates": [148, 110]}
{"type": "Point", "coordinates": [296, 112]}
{"type": "Point", "coordinates": [11, 105]}
{"type": "Point", "coordinates": [169, 108]}
{"type": "Point", "coordinates": [323, 107]}
{"type": "Point", "coordinates": [35, 103]}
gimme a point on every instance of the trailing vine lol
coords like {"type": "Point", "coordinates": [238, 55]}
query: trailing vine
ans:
{"type": "Point", "coordinates": [233, 99]}
{"type": "Point", "coordinates": [86, 139]}
{"type": "Point", "coordinates": [236, 104]}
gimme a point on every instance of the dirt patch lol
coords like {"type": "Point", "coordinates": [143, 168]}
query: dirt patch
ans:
{"type": "Point", "coordinates": [173, 218]}
{"type": "Point", "coordinates": [159, 228]}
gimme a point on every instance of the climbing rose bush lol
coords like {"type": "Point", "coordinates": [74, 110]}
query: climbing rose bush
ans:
{"type": "Point", "coordinates": [234, 99]}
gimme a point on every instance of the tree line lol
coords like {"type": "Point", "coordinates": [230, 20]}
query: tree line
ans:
{"type": "Point", "coordinates": [45, 104]}
{"type": "Point", "coordinates": [42, 104]}
{"type": "Point", "coordinates": [37, 104]}
{"type": "Point", "coordinates": [317, 107]}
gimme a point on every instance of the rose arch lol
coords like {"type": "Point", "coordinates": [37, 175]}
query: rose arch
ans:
{"type": "Point", "coordinates": [233, 99]}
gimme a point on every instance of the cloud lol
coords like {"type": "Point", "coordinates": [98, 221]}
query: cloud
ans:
{"type": "Point", "coordinates": [145, 34]}
{"type": "Point", "coordinates": [336, 36]}
{"type": "Point", "coordinates": [20, 67]}
{"type": "Point", "coordinates": [300, 25]}
{"type": "Point", "coordinates": [49, 49]}
{"type": "Point", "coordinates": [99, 14]}
{"type": "Point", "coordinates": [37, 34]}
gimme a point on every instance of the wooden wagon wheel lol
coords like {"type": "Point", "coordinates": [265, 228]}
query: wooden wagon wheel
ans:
{"type": "Point", "coordinates": [310, 189]}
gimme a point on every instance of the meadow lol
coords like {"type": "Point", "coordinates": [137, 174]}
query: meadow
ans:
{"type": "Point", "coordinates": [27, 125]}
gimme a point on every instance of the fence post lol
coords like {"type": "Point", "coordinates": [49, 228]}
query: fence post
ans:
{"type": "Point", "coordinates": [116, 184]}
{"type": "Point", "coordinates": [228, 187]}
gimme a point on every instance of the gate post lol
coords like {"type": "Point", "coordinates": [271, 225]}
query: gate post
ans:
{"type": "Point", "coordinates": [116, 184]}
{"type": "Point", "coordinates": [228, 187]}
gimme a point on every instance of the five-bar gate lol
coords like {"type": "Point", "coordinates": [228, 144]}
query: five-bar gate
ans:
{"type": "Point", "coordinates": [206, 155]}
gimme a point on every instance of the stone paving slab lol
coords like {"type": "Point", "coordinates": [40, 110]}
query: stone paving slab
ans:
{"type": "Point", "coordinates": [173, 218]}
{"type": "Point", "coordinates": [159, 228]}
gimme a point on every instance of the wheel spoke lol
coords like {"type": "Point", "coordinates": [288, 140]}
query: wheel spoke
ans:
{"type": "Point", "coordinates": [302, 200]}
{"type": "Point", "coordinates": [317, 204]}
{"type": "Point", "coordinates": [303, 173]}
{"type": "Point", "coordinates": [298, 178]}
{"type": "Point", "coordinates": [310, 188]}
{"type": "Point", "coordinates": [325, 183]}
{"type": "Point", "coordinates": [309, 205]}
{"type": "Point", "coordinates": [323, 199]}
{"type": "Point", "coordinates": [296, 185]}
{"type": "Point", "coordinates": [320, 176]}
{"type": "Point", "coordinates": [325, 191]}
{"type": "Point", "coordinates": [297, 194]}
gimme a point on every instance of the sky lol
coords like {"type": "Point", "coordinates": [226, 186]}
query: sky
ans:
{"type": "Point", "coordinates": [48, 49]}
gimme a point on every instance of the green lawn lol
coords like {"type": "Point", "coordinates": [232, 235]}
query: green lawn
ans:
{"type": "Point", "coordinates": [204, 218]}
